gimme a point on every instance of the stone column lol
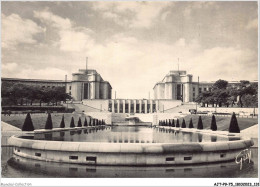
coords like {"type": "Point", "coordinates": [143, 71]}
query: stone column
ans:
{"type": "Point", "coordinates": [134, 106]}
{"type": "Point", "coordinates": [140, 106]}
{"type": "Point", "coordinates": [93, 89]}
{"type": "Point", "coordinates": [124, 106]}
{"type": "Point", "coordinates": [151, 106]}
{"type": "Point", "coordinates": [113, 106]}
{"type": "Point", "coordinates": [129, 106]}
{"type": "Point", "coordinates": [157, 106]}
{"type": "Point", "coordinates": [145, 106]}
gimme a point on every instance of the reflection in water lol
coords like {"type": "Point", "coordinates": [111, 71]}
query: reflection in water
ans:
{"type": "Point", "coordinates": [48, 136]}
{"type": "Point", "coordinates": [200, 137]}
{"type": "Point", "coordinates": [213, 138]}
{"type": "Point", "coordinates": [129, 134]}
{"type": "Point", "coordinates": [62, 133]}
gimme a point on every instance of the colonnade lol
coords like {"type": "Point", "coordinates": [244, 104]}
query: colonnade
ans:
{"type": "Point", "coordinates": [133, 106]}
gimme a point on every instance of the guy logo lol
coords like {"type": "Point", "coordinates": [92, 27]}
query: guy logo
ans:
{"type": "Point", "coordinates": [243, 156]}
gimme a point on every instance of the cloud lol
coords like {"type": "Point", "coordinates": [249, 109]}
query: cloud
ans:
{"type": "Point", "coordinates": [48, 73]}
{"type": "Point", "coordinates": [228, 63]}
{"type": "Point", "coordinates": [16, 30]}
{"type": "Point", "coordinates": [8, 68]}
{"type": "Point", "coordinates": [252, 24]}
{"type": "Point", "coordinates": [71, 37]}
{"type": "Point", "coordinates": [143, 14]}
{"type": "Point", "coordinates": [192, 6]}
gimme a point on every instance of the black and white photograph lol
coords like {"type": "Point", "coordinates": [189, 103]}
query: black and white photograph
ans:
{"type": "Point", "coordinates": [126, 93]}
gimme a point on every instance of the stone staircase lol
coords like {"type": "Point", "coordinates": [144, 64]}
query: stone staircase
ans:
{"type": "Point", "coordinates": [184, 108]}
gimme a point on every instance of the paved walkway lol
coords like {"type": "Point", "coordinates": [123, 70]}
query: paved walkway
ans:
{"type": "Point", "coordinates": [7, 131]}
{"type": "Point", "coordinates": [251, 132]}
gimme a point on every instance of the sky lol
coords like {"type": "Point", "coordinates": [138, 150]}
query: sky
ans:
{"type": "Point", "coordinates": [131, 44]}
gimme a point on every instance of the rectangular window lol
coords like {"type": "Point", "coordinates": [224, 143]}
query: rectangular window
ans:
{"type": "Point", "coordinates": [187, 169]}
{"type": "Point", "coordinates": [38, 154]}
{"type": "Point", "coordinates": [73, 157]}
{"type": "Point", "coordinates": [193, 94]}
{"type": "Point", "coordinates": [73, 169]}
{"type": "Point", "coordinates": [121, 108]}
{"type": "Point", "coordinates": [205, 89]}
{"type": "Point", "coordinates": [91, 158]}
{"type": "Point", "coordinates": [137, 108]}
{"type": "Point", "coordinates": [199, 90]}
{"type": "Point", "coordinates": [169, 158]}
{"type": "Point", "coordinates": [110, 107]}
{"type": "Point", "coordinates": [193, 89]}
{"type": "Point", "coordinates": [222, 155]}
{"type": "Point", "coordinates": [187, 158]}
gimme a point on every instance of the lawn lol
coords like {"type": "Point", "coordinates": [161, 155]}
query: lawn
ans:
{"type": "Point", "coordinates": [222, 122]}
{"type": "Point", "coordinates": [39, 120]}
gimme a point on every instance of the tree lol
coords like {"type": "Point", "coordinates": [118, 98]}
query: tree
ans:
{"type": "Point", "coordinates": [191, 123]}
{"type": "Point", "coordinates": [183, 125]}
{"type": "Point", "coordinates": [213, 124]}
{"type": "Point", "coordinates": [220, 84]}
{"type": "Point", "coordinates": [85, 122]}
{"type": "Point", "coordinates": [48, 124]}
{"type": "Point", "coordinates": [200, 124]}
{"type": "Point", "coordinates": [246, 88]}
{"type": "Point", "coordinates": [79, 123]}
{"type": "Point", "coordinates": [233, 127]}
{"type": "Point", "coordinates": [72, 125]}
{"type": "Point", "coordinates": [177, 123]}
{"type": "Point", "coordinates": [28, 124]}
{"type": "Point", "coordinates": [62, 123]}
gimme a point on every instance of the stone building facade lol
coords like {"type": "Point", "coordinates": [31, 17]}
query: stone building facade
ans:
{"type": "Point", "coordinates": [178, 85]}
{"type": "Point", "coordinates": [86, 84]}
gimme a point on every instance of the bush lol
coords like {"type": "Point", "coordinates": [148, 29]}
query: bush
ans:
{"type": "Point", "coordinates": [170, 123]}
{"type": "Point", "coordinates": [213, 124]}
{"type": "Point", "coordinates": [90, 122]}
{"type": "Point", "coordinates": [200, 124]}
{"type": "Point", "coordinates": [177, 123]}
{"type": "Point", "coordinates": [72, 125]}
{"type": "Point", "coordinates": [191, 124]}
{"type": "Point", "coordinates": [233, 127]}
{"type": "Point", "coordinates": [62, 123]}
{"type": "Point", "coordinates": [183, 125]}
{"type": "Point", "coordinates": [28, 124]}
{"type": "Point", "coordinates": [85, 122]}
{"type": "Point", "coordinates": [48, 124]}
{"type": "Point", "coordinates": [173, 123]}
{"type": "Point", "coordinates": [79, 123]}
{"type": "Point", "coordinates": [166, 123]}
